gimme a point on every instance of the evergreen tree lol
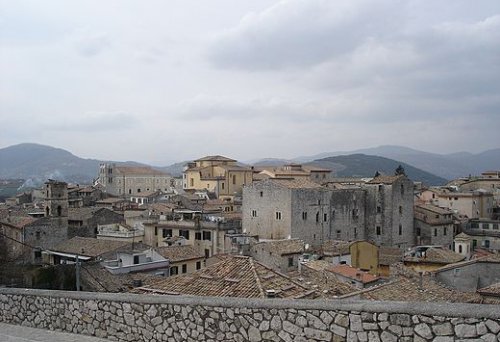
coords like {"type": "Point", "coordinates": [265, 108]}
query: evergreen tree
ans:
{"type": "Point", "coordinates": [400, 171]}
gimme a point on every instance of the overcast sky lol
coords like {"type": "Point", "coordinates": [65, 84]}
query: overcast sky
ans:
{"type": "Point", "coordinates": [164, 81]}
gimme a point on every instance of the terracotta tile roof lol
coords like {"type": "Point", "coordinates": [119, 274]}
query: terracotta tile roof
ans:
{"type": "Point", "coordinates": [353, 273]}
{"type": "Point", "coordinates": [492, 290]}
{"type": "Point", "coordinates": [409, 289]}
{"type": "Point", "coordinates": [283, 247]}
{"type": "Point", "coordinates": [389, 255]}
{"type": "Point", "coordinates": [336, 247]}
{"type": "Point", "coordinates": [234, 276]}
{"type": "Point", "coordinates": [96, 278]}
{"type": "Point", "coordinates": [315, 277]}
{"type": "Point", "coordinates": [437, 256]}
{"type": "Point", "coordinates": [179, 253]}
{"type": "Point", "coordinates": [433, 208]}
{"type": "Point", "coordinates": [297, 183]}
{"type": "Point", "coordinates": [385, 179]}
{"type": "Point", "coordinates": [139, 170]}
{"type": "Point", "coordinates": [18, 221]}
{"type": "Point", "coordinates": [88, 246]}
{"type": "Point", "coordinates": [112, 200]}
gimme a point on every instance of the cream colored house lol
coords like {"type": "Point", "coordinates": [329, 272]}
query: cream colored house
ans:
{"type": "Point", "coordinates": [217, 174]}
{"type": "Point", "coordinates": [472, 204]}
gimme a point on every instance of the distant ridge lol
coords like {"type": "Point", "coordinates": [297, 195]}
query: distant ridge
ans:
{"type": "Point", "coordinates": [448, 166]}
{"type": "Point", "coordinates": [362, 165]}
{"type": "Point", "coordinates": [36, 163]}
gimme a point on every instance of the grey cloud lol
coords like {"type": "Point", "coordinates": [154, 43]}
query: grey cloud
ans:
{"type": "Point", "coordinates": [95, 122]}
{"type": "Point", "coordinates": [301, 33]}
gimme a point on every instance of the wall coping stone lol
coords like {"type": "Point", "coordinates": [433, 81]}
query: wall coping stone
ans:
{"type": "Point", "coordinates": [413, 308]}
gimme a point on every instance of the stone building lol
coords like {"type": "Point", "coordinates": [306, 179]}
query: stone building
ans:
{"type": "Point", "coordinates": [217, 174]}
{"type": "Point", "coordinates": [126, 181]}
{"type": "Point", "coordinates": [84, 221]}
{"type": "Point", "coordinates": [433, 225]}
{"type": "Point", "coordinates": [380, 210]}
{"type": "Point", "coordinates": [389, 211]}
{"type": "Point", "coordinates": [28, 236]}
{"type": "Point", "coordinates": [280, 255]}
{"type": "Point", "coordinates": [484, 233]}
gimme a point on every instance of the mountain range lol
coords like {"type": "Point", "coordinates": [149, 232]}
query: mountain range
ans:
{"type": "Point", "coordinates": [35, 163]}
{"type": "Point", "coordinates": [448, 166]}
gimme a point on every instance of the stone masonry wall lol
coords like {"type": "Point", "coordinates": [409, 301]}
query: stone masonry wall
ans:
{"type": "Point", "coordinates": [126, 317]}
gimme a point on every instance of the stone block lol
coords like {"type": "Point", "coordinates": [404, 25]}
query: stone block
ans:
{"type": "Point", "coordinates": [423, 330]}
{"type": "Point", "coordinates": [465, 330]}
{"type": "Point", "coordinates": [318, 335]}
{"type": "Point", "coordinates": [445, 329]}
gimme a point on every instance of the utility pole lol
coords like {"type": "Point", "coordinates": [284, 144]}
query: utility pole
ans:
{"type": "Point", "coordinates": [77, 273]}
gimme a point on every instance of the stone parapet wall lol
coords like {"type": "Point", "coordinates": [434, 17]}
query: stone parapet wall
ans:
{"type": "Point", "coordinates": [128, 317]}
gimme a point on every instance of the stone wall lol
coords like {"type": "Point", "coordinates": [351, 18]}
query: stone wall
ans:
{"type": "Point", "coordinates": [127, 317]}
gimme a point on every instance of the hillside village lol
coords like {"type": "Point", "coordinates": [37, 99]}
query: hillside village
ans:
{"type": "Point", "coordinates": [228, 230]}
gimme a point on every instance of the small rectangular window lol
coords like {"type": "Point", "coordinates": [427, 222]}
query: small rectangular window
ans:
{"type": "Point", "coordinates": [304, 215]}
{"type": "Point", "coordinates": [278, 215]}
{"type": "Point", "coordinates": [184, 268]}
{"type": "Point", "coordinates": [184, 233]}
{"type": "Point", "coordinates": [198, 265]}
{"type": "Point", "coordinates": [379, 209]}
{"type": "Point", "coordinates": [325, 217]}
{"type": "Point", "coordinates": [290, 262]}
{"type": "Point", "coordinates": [400, 231]}
{"type": "Point", "coordinates": [207, 236]}
{"type": "Point", "coordinates": [254, 213]}
{"type": "Point", "coordinates": [378, 230]}
{"type": "Point", "coordinates": [166, 233]}
{"type": "Point", "coordinates": [197, 236]}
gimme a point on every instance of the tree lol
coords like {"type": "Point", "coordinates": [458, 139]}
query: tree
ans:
{"type": "Point", "coordinates": [400, 171]}
{"type": "Point", "coordinates": [376, 174]}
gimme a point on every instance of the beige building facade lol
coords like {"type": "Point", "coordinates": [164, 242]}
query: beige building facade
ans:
{"type": "Point", "coordinates": [217, 174]}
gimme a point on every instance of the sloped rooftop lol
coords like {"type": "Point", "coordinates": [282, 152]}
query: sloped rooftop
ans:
{"type": "Point", "coordinates": [283, 247]}
{"type": "Point", "coordinates": [234, 276]}
{"type": "Point", "coordinates": [409, 289]}
{"type": "Point", "coordinates": [179, 253]}
{"type": "Point", "coordinates": [89, 247]}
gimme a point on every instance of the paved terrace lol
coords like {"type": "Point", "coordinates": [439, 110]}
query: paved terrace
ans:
{"type": "Point", "coordinates": [17, 333]}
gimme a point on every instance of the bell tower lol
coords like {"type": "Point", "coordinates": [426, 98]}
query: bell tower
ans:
{"type": "Point", "coordinates": [56, 199]}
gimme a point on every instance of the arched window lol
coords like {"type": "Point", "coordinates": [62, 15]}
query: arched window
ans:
{"type": "Point", "coordinates": [459, 248]}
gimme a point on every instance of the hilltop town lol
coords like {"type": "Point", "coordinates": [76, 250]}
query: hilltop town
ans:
{"type": "Point", "coordinates": [225, 229]}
